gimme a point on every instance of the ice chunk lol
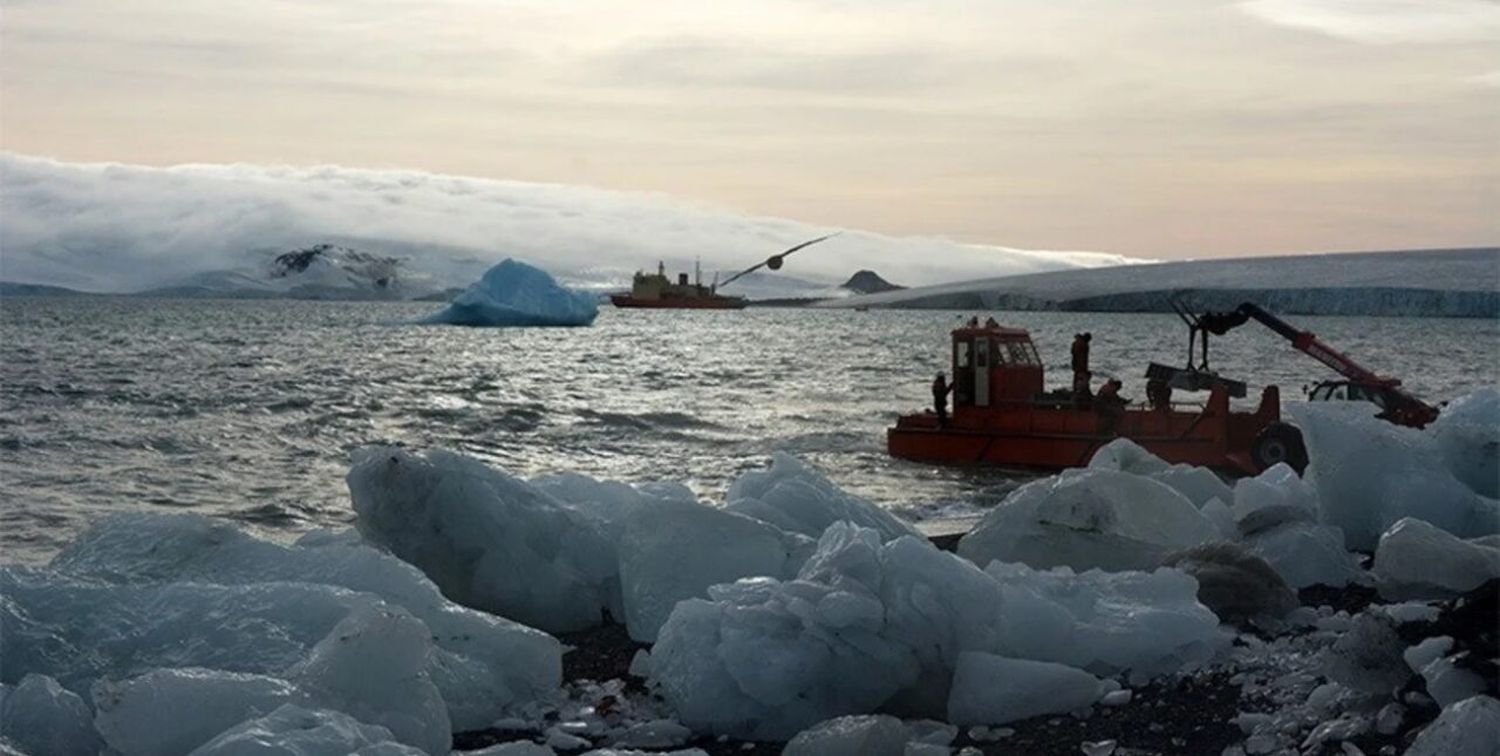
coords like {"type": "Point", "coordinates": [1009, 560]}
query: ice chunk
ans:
{"type": "Point", "coordinates": [795, 497]}
{"type": "Point", "coordinates": [1198, 484]}
{"type": "Point", "coordinates": [1448, 684]}
{"type": "Point", "coordinates": [483, 662]}
{"type": "Point", "coordinates": [1468, 728]}
{"type": "Point", "coordinates": [38, 716]}
{"type": "Point", "coordinates": [857, 735]}
{"type": "Point", "coordinates": [1416, 560]}
{"type": "Point", "coordinates": [1467, 435]}
{"type": "Point", "coordinates": [489, 540]}
{"type": "Point", "coordinates": [764, 659]}
{"type": "Point", "coordinates": [1086, 519]}
{"type": "Point", "coordinates": [991, 690]}
{"type": "Point", "coordinates": [1369, 473]}
{"type": "Point", "coordinates": [1368, 656]}
{"type": "Point", "coordinates": [373, 666]}
{"type": "Point", "coordinates": [75, 630]}
{"type": "Point", "coordinates": [1277, 487]}
{"type": "Point", "coordinates": [1147, 623]}
{"type": "Point", "coordinates": [1124, 455]}
{"type": "Point", "coordinates": [515, 748]}
{"type": "Point", "coordinates": [516, 294]}
{"type": "Point", "coordinates": [173, 711]}
{"type": "Point", "coordinates": [867, 624]}
{"type": "Point", "coordinates": [1234, 583]}
{"type": "Point", "coordinates": [1305, 553]}
{"type": "Point", "coordinates": [674, 550]}
{"type": "Point", "coordinates": [294, 731]}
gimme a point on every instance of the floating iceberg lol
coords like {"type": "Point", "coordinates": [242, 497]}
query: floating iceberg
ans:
{"type": "Point", "coordinates": [1087, 519]}
{"type": "Point", "coordinates": [516, 294]}
{"type": "Point", "coordinates": [867, 624]}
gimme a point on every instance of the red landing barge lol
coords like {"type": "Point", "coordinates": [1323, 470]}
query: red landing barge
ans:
{"type": "Point", "coordinates": [1002, 415]}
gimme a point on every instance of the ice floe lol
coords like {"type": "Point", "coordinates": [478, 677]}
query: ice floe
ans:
{"type": "Point", "coordinates": [516, 294]}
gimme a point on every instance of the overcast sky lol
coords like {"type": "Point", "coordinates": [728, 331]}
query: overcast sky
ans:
{"type": "Point", "coordinates": [1154, 128]}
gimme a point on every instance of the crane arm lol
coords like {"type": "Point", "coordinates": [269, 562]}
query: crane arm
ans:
{"type": "Point", "coordinates": [1407, 409]}
{"type": "Point", "coordinates": [774, 261]}
{"type": "Point", "coordinates": [1303, 341]}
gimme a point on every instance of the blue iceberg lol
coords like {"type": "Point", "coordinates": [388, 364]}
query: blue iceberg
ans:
{"type": "Point", "coordinates": [516, 294]}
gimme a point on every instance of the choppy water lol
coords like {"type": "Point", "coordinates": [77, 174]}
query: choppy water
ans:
{"type": "Point", "coordinates": [248, 410]}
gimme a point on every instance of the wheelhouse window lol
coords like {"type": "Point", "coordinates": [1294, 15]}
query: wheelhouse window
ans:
{"type": "Point", "coordinates": [961, 354]}
{"type": "Point", "coordinates": [1022, 353]}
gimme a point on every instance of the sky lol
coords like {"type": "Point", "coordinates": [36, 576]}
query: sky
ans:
{"type": "Point", "coordinates": [1152, 128]}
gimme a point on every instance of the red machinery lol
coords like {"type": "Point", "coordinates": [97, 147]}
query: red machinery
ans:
{"type": "Point", "coordinates": [1001, 416]}
{"type": "Point", "coordinates": [1396, 404]}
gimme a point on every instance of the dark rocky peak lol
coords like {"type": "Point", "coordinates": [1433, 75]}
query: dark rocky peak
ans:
{"type": "Point", "coordinates": [869, 282]}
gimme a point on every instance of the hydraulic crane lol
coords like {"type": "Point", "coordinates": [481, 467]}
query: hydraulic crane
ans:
{"type": "Point", "coordinates": [1398, 405]}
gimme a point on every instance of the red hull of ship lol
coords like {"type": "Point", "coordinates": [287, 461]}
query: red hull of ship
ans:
{"type": "Point", "coordinates": [680, 303]}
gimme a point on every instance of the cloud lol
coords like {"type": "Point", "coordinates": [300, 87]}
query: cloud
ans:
{"type": "Point", "coordinates": [1386, 21]}
{"type": "Point", "coordinates": [115, 227]}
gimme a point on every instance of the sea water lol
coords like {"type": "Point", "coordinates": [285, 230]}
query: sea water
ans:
{"type": "Point", "coordinates": [247, 409]}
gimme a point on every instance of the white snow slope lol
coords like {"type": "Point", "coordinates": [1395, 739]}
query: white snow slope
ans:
{"type": "Point", "coordinates": [1416, 282]}
{"type": "Point", "coordinates": [124, 228]}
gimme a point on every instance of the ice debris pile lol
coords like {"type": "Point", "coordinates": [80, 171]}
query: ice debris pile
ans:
{"type": "Point", "coordinates": [174, 629]}
{"type": "Point", "coordinates": [1130, 510]}
{"type": "Point", "coordinates": [866, 625]}
{"type": "Point", "coordinates": [564, 553]}
{"type": "Point", "coordinates": [516, 294]}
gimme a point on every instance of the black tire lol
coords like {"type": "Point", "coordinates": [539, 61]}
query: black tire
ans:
{"type": "Point", "coordinates": [1279, 442]}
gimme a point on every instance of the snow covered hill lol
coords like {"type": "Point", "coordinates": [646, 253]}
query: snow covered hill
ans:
{"type": "Point", "coordinates": [322, 271]}
{"type": "Point", "coordinates": [1447, 283]}
{"type": "Point", "coordinates": [114, 228]}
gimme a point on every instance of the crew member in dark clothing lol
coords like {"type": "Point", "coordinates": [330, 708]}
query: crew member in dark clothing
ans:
{"type": "Point", "coordinates": [1110, 406]}
{"type": "Point", "coordinates": [1159, 395]}
{"type": "Point", "coordinates": [940, 389]}
{"type": "Point", "coordinates": [1081, 394]}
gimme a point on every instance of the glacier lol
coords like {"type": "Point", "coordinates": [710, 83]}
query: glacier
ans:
{"type": "Point", "coordinates": [1431, 283]}
{"type": "Point", "coordinates": [513, 293]}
